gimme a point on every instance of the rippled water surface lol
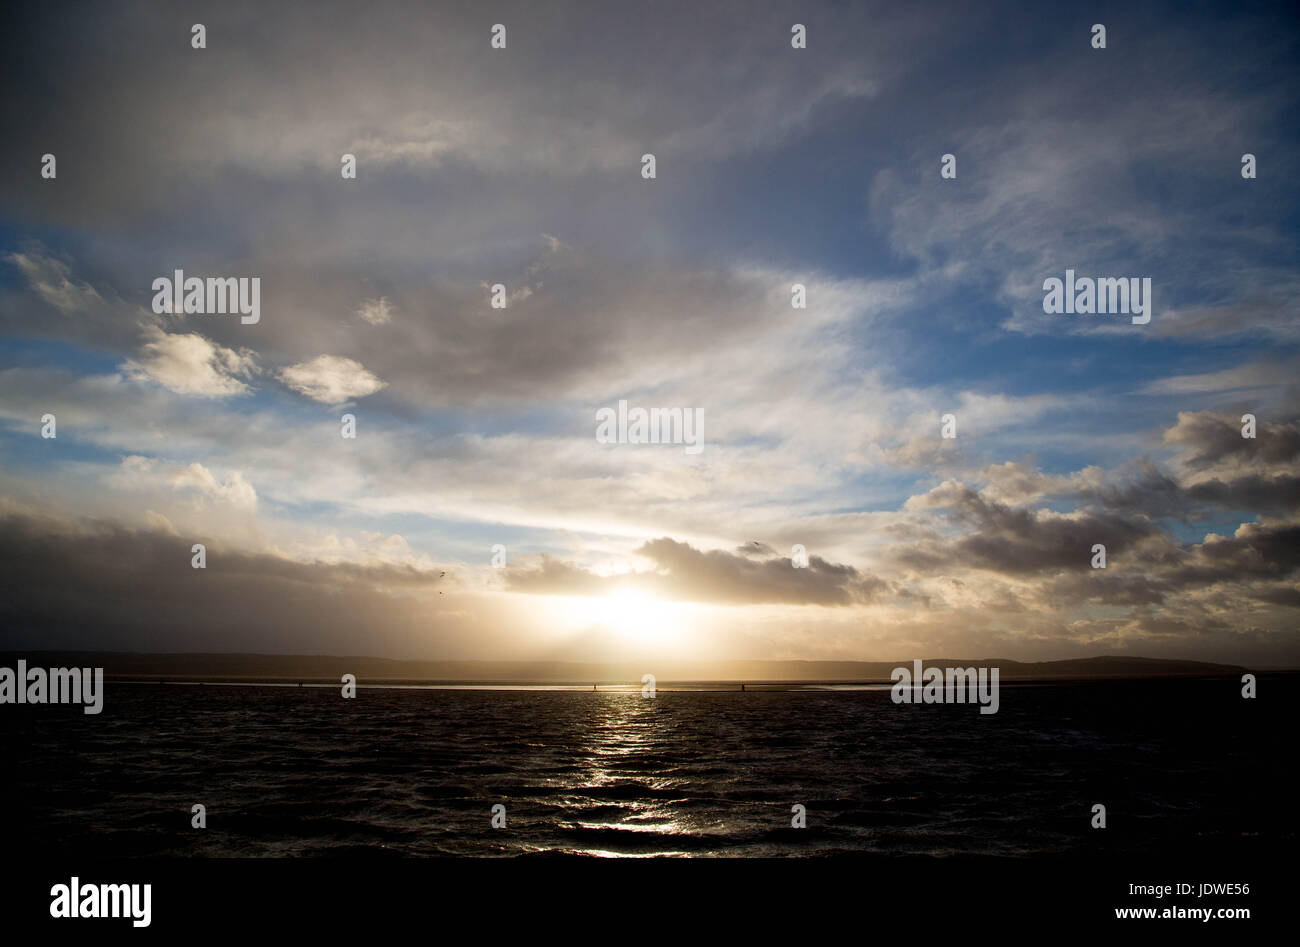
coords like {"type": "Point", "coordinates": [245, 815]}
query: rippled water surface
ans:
{"type": "Point", "coordinates": [300, 771]}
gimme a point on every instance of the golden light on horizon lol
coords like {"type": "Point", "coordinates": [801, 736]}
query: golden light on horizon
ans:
{"type": "Point", "coordinates": [634, 616]}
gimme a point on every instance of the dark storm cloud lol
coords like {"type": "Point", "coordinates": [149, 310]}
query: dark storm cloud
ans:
{"type": "Point", "coordinates": [1146, 566]}
{"type": "Point", "coordinates": [1209, 439]}
{"type": "Point", "coordinates": [1112, 587]}
{"type": "Point", "coordinates": [98, 584]}
{"type": "Point", "coordinates": [1252, 492]}
{"type": "Point", "coordinates": [1266, 550]}
{"type": "Point", "coordinates": [281, 91]}
{"type": "Point", "coordinates": [1018, 541]}
{"type": "Point", "coordinates": [1150, 491]}
{"type": "Point", "coordinates": [1285, 595]}
{"type": "Point", "coordinates": [1215, 469]}
{"type": "Point", "coordinates": [684, 573]}
{"type": "Point", "coordinates": [1259, 562]}
{"type": "Point", "coordinates": [1219, 469]}
{"type": "Point", "coordinates": [1143, 489]}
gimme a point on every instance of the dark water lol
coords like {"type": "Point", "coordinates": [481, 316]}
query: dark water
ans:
{"type": "Point", "coordinates": [299, 771]}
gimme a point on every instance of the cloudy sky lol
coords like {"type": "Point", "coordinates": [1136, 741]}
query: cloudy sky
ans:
{"type": "Point", "coordinates": [476, 425]}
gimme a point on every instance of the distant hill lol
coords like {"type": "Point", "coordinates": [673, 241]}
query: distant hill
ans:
{"type": "Point", "coordinates": [329, 668]}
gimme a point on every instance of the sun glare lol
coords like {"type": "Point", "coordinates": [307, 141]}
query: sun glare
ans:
{"type": "Point", "coordinates": [635, 616]}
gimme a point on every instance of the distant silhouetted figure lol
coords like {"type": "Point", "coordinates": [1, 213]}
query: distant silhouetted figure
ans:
{"type": "Point", "coordinates": [742, 687]}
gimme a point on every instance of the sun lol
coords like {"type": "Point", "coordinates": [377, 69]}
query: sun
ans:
{"type": "Point", "coordinates": [632, 614]}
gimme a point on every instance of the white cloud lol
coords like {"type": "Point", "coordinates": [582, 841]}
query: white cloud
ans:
{"type": "Point", "coordinates": [331, 379]}
{"type": "Point", "coordinates": [1251, 375]}
{"type": "Point", "coordinates": [156, 477]}
{"type": "Point", "coordinates": [235, 490]}
{"type": "Point", "coordinates": [191, 365]}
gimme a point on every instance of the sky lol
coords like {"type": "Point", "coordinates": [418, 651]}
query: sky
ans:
{"type": "Point", "coordinates": [476, 514]}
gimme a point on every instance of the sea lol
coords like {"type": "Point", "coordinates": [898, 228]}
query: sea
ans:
{"type": "Point", "coordinates": [540, 771]}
